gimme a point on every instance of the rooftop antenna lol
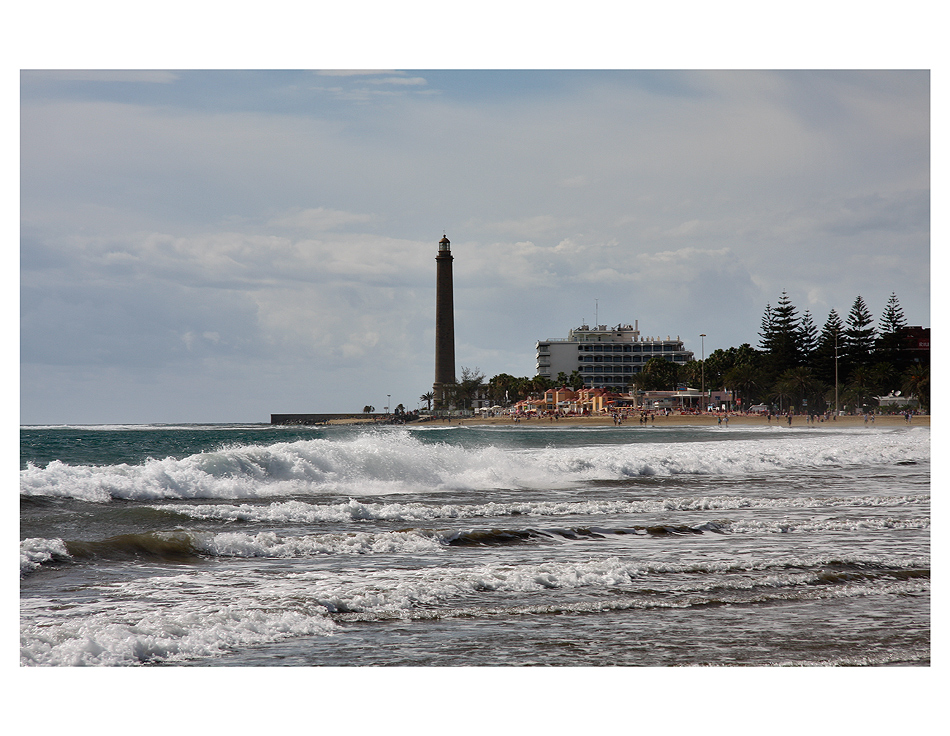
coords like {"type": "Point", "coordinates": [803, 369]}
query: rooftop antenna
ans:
{"type": "Point", "coordinates": [596, 318]}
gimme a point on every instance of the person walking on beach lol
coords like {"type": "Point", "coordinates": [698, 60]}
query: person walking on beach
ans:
{"type": "Point", "coordinates": [790, 419]}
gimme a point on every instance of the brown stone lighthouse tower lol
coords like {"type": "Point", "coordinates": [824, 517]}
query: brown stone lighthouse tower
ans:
{"type": "Point", "coordinates": [444, 326]}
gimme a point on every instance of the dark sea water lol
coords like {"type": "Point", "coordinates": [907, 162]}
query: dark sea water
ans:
{"type": "Point", "coordinates": [251, 545]}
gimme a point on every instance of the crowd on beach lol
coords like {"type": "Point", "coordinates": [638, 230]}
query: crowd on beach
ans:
{"type": "Point", "coordinates": [651, 417]}
{"type": "Point", "coordinates": [624, 415]}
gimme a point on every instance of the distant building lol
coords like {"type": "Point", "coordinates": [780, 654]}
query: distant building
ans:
{"type": "Point", "coordinates": [585, 401]}
{"type": "Point", "coordinates": [916, 343]}
{"type": "Point", "coordinates": [560, 399]}
{"type": "Point", "coordinates": [894, 399]}
{"type": "Point", "coordinates": [605, 357]}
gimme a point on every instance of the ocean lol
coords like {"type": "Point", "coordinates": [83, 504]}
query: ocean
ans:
{"type": "Point", "coordinates": [467, 546]}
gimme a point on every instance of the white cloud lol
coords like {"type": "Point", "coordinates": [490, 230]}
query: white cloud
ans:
{"type": "Point", "coordinates": [186, 242]}
{"type": "Point", "coordinates": [405, 81]}
{"type": "Point", "coordinates": [105, 75]}
{"type": "Point", "coordinates": [354, 72]}
{"type": "Point", "coordinates": [530, 227]}
{"type": "Point", "coordinates": [318, 219]}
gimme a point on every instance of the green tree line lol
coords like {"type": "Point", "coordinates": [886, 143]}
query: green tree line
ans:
{"type": "Point", "coordinates": [796, 365]}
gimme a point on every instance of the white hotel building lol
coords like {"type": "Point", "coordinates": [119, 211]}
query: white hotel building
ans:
{"type": "Point", "coordinates": [606, 357]}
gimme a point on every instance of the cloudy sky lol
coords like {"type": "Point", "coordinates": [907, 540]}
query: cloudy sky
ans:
{"type": "Point", "coordinates": [222, 245]}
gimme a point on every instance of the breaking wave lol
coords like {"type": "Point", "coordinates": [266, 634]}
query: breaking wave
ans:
{"type": "Point", "coordinates": [376, 463]}
{"type": "Point", "coordinates": [184, 546]}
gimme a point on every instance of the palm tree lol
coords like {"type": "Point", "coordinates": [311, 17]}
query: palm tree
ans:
{"type": "Point", "coordinates": [884, 378]}
{"type": "Point", "coordinates": [833, 393]}
{"type": "Point", "coordinates": [743, 380]}
{"type": "Point", "coordinates": [427, 397]}
{"type": "Point", "coordinates": [860, 389]}
{"type": "Point", "coordinates": [917, 384]}
{"type": "Point", "coordinates": [540, 384]}
{"type": "Point", "coordinates": [784, 388]}
{"type": "Point", "coordinates": [575, 381]}
{"type": "Point", "coordinates": [806, 387]}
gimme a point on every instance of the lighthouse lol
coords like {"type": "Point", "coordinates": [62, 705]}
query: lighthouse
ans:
{"type": "Point", "coordinates": [444, 325]}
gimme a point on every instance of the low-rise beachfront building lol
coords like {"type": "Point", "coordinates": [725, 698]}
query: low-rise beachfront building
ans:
{"type": "Point", "coordinates": [605, 357]}
{"type": "Point", "coordinates": [528, 406]}
{"type": "Point", "coordinates": [560, 399]}
{"type": "Point", "coordinates": [681, 399]}
{"type": "Point", "coordinates": [721, 400]}
{"type": "Point", "coordinates": [894, 400]}
{"type": "Point", "coordinates": [566, 401]}
{"type": "Point", "coordinates": [685, 399]}
{"type": "Point", "coordinates": [594, 400]}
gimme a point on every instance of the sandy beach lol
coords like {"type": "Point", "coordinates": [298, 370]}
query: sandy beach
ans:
{"type": "Point", "coordinates": [674, 420]}
{"type": "Point", "coordinates": [685, 420]}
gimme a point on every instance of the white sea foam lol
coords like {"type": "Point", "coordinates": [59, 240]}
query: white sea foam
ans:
{"type": "Point", "coordinates": [377, 463]}
{"type": "Point", "coordinates": [824, 525]}
{"type": "Point", "coordinates": [205, 613]}
{"type": "Point", "coordinates": [36, 552]}
{"type": "Point", "coordinates": [300, 512]}
{"type": "Point", "coordinates": [175, 631]}
{"type": "Point", "coordinates": [270, 544]}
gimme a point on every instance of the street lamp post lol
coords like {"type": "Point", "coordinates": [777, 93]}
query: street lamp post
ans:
{"type": "Point", "coordinates": [836, 374]}
{"type": "Point", "coordinates": [702, 366]}
{"type": "Point", "coordinates": [388, 397]}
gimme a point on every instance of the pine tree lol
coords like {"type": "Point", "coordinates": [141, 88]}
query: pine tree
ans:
{"type": "Point", "coordinates": [767, 335]}
{"type": "Point", "coordinates": [786, 342]}
{"type": "Point", "coordinates": [892, 319]}
{"type": "Point", "coordinates": [830, 341]}
{"type": "Point", "coordinates": [859, 335]}
{"type": "Point", "coordinates": [808, 336]}
{"type": "Point", "coordinates": [889, 346]}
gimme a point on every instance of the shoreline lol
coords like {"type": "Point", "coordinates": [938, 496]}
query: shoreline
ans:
{"type": "Point", "coordinates": [687, 420]}
{"type": "Point", "coordinates": [674, 420]}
